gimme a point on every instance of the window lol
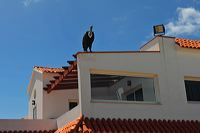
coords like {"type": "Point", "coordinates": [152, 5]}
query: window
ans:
{"type": "Point", "coordinates": [135, 96]}
{"type": "Point", "coordinates": [139, 95]}
{"type": "Point", "coordinates": [72, 105]}
{"type": "Point", "coordinates": [192, 90]}
{"type": "Point", "coordinates": [122, 88]}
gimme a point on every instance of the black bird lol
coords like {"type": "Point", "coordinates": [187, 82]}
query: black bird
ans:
{"type": "Point", "coordinates": [88, 39]}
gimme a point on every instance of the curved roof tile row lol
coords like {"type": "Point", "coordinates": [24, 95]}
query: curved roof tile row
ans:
{"type": "Point", "coordinates": [186, 43]}
{"type": "Point", "coordinates": [131, 125]}
{"type": "Point", "coordinates": [70, 127]}
{"type": "Point", "coordinates": [49, 69]}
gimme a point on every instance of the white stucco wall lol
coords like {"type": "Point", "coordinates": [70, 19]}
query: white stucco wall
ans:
{"type": "Point", "coordinates": [56, 103]}
{"type": "Point", "coordinates": [49, 105]}
{"type": "Point", "coordinates": [36, 86]}
{"type": "Point", "coordinates": [152, 45]}
{"type": "Point", "coordinates": [69, 116]}
{"type": "Point", "coordinates": [168, 67]}
{"type": "Point", "coordinates": [130, 63]}
{"type": "Point", "coordinates": [27, 125]}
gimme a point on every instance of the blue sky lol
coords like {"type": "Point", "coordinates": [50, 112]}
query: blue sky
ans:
{"type": "Point", "coordinates": [48, 32]}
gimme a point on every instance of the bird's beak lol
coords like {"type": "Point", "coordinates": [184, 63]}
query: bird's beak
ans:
{"type": "Point", "coordinates": [91, 28]}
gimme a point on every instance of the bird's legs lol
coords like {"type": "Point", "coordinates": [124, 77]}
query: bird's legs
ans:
{"type": "Point", "coordinates": [85, 49]}
{"type": "Point", "coordinates": [90, 48]}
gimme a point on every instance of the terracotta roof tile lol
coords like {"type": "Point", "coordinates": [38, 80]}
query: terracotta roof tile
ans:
{"type": "Point", "coordinates": [49, 69]}
{"type": "Point", "coordinates": [70, 127]}
{"type": "Point", "coordinates": [138, 126]}
{"type": "Point", "coordinates": [186, 43]}
{"type": "Point", "coordinates": [69, 73]}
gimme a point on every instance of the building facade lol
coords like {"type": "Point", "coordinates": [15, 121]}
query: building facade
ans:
{"type": "Point", "coordinates": [102, 91]}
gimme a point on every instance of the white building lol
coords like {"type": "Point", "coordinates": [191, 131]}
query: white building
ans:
{"type": "Point", "coordinates": [43, 105]}
{"type": "Point", "coordinates": [160, 81]}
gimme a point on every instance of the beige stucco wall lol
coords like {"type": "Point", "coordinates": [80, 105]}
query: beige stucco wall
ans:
{"type": "Point", "coordinates": [169, 66]}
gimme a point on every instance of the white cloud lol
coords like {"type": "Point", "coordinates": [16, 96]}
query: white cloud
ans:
{"type": "Point", "coordinates": [27, 3]}
{"type": "Point", "coordinates": [188, 22]}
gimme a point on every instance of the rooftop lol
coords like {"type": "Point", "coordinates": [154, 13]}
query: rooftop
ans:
{"type": "Point", "coordinates": [129, 125]}
{"type": "Point", "coordinates": [186, 43]}
{"type": "Point", "coordinates": [48, 69]}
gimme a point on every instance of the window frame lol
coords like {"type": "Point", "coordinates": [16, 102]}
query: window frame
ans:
{"type": "Point", "coordinates": [131, 74]}
{"type": "Point", "coordinates": [190, 78]}
{"type": "Point", "coordinates": [133, 90]}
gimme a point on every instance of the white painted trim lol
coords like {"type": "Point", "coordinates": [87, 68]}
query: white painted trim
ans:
{"type": "Point", "coordinates": [193, 102]}
{"type": "Point", "coordinates": [124, 102]}
{"type": "Point", "coordinates": [122, 73]}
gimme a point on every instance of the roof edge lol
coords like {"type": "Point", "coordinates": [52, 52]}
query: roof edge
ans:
{"type": "Point", "coordinates": [115, 52]}
{"type": "Point", "coordinates": [42, 69]}
{"type": "Point", "coordinates": [86, 124]}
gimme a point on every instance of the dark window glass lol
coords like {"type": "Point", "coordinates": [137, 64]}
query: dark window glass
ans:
{"type": "Point", "coordinates": [130, 97]}
{"type": "Point", "coordinates": [72, 105]}
{"type": "Point", "coordinates": [192, 90]}
{"type": "Point", "coordinates": [139, 95]}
